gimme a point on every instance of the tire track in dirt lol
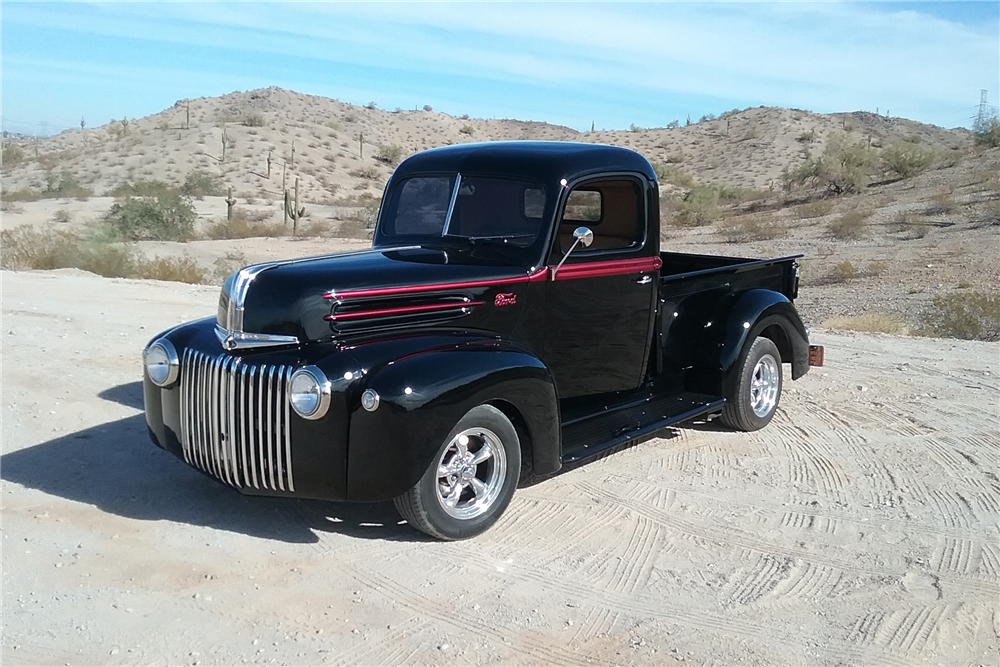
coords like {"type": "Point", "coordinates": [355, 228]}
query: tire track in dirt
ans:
{"type": "Point", "coordinates": [393, 647]}
{"type": "Point", "coordinates": [905, 632]}
{"type": "Point", "coordinates": [736, 538]}
{"type": "Point", "coordinates": [527, 646]}
{"type": "Point", "coordinates": [599, 621]}
{"type": "Point", "coordinates": [632, 606]}
{"type": "Point", "coordinates": [807, 581]}
{"type": "Point", "coordinates": [760, 579]}
{"type": "Point", "coordinates": [810, 470]}
{"type": "Point", "coordinates": [964, 557]}
{"type": "Point", "coordinates": [772, 515]}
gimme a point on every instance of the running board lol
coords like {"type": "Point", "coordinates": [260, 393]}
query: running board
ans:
{"type": "Point", "coordinates": [584, 437]}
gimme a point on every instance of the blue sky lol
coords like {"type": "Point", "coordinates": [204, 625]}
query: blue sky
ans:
{"type": "Point", "coordinates": [566, 63]}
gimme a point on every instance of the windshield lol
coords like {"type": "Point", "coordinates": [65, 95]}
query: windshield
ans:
{"type": "Point", "coordinates": [463, 207]}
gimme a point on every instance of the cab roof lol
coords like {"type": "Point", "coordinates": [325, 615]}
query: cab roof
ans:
{"type": "Point", "coordinates": [541, 161]}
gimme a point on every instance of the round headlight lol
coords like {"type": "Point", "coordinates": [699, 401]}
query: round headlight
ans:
{"type": "Point", "coordinates": [162, 364]}
{"type": "Point", "coordinates": [309, 392]}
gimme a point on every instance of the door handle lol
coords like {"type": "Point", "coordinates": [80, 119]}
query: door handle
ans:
{"type": "Point", "coordinates": [645, 280]}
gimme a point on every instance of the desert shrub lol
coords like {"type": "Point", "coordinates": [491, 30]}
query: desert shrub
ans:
{"type": "Point", "coordinates": [10, 207]}
{"type": "Point", "coordinates": [428, 107]}
{"type": "Point", "coordinates": [906, 159]}
{"type": "Point", "coordinates": [751, 228]}
{"type": "Point", "coordinates": [868, 323]}
{"type": "Point", "coordinates": [27, 248]}
{"type": "Point", "coordinates": [807, 137]}
{"type": "Point", "coordinates": [842, 273]}
{"type": "Point", "coordinates": [371, 106]}
{"type": "Point", "coordinates": [368, 173]}
{"type": "Point", "coordinates": [175, 269]}
{"type": "Point", "coordinates": [907, 222]}
{"type": "Point", "coordinates": [62, 215]}
{"type": "Point", "coordinates": [314, 229]}
{"type": "Point", "coordinates": [667, 173]}
{"type": "Point", "coordinates": [700, 206]}
{"type": "Point", "coordinates": [942, 204]}
{"type": "Point", "coordinates": [732, 193]}
{"type": "Point", "coordinates": [244, 225]}
{"type": "Point", "coordinates": [390, 154]}
{"type": "Point", "coordinates": [11, 154]}
{"type": "Point", "coordinates": [57, 186]}
{"type": "Point", "coordinates": [200, 184]}
{"type": "Point", "coordinates": [850, 225]}
{"type": "Point", "coordinates": [253, 120]}
{"type": "Point", "coordinates": [143, 188]}
{"type": "Point", "coordinates": [815, 209]}
{"type": "Point", "coordinates": [968, 315]}
{"type": "Point", "coordinates": [165, 217]}
{"type": "Point", "coordinates": [987, 132]}
{"type": "Point", "coordinates": [843, 168]}
{"type": "Point", "coordinates": [467, 129]}
{"type": "Point", "coordinates": [876, 268]}
{"type": "Point", "coordinates": [225, 265]}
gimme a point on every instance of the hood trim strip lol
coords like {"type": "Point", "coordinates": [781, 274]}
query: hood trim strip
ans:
{"type": "Point", "coordinates": [609, 268]}
{"type": "Point", "coordinates": [403, 310]}
{"type": "Point", "coordinates": [537, 276]}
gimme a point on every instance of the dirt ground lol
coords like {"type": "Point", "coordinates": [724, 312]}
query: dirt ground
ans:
{"type": "Point", "coordinates": [860, 527]}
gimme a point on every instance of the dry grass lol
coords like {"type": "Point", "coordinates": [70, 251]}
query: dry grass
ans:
{"type": "Point", "coordinates": [27, 248]}
{"type": "Point", "coordinates": [868, 323]}
{"type": "Point", "coordinates": [841, 273]}
{"type": "Point", "coordinates": [245, 225]}
{"type": "Point", "coordinates": [942, 204]}
{"type": "Point", "coordinates": [851, 225]}
{"type": "Point", "coordinates": [745, 228]}
{"type": "Point", "coordinates": [815, 209]}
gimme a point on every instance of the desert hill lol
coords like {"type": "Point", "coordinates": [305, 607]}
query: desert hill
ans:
{"type": "Point", "coordinates": [335, 147]}
{"type": "Point", "coordinates": [881, 258]}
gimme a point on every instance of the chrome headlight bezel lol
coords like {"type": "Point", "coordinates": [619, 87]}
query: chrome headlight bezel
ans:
{"type": "Point", "coordinates": [317, 385]}
{"type": "Point", "coordinates": [161, 353]}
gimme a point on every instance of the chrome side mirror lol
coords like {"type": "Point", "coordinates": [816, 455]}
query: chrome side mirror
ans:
{"type": "Point", "coordinates": [582, 236]}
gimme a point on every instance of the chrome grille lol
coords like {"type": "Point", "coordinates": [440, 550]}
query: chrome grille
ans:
{"type": "Point", "coordinates": [235, 420]}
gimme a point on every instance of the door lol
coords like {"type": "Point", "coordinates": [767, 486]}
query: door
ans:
{"type": "Point", "coordinates": [599, 304]}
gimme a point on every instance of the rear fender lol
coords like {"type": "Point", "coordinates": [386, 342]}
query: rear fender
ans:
{"type": "Point", "coordinates": [423, 395]}
{"type": "Point", "coordinates": [764, 312]}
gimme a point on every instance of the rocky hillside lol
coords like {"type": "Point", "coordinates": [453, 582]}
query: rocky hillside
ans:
{"type": "Point", "coordinates": [341, 152]}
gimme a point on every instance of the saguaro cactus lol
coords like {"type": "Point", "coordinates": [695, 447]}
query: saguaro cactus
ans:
{"type": "Point", "coordinates": [292, 210]}
{"type": "Point", "coordinates": [230, 203]}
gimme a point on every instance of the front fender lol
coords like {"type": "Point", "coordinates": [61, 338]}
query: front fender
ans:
{"type": "Point", "coordinates": [425, 393]}
{"type": "Point", "coordinates": [764, 311]}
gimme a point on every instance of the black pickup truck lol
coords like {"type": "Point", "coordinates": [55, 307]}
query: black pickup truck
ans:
{"type": "Point", "coordinates": [513, 314]}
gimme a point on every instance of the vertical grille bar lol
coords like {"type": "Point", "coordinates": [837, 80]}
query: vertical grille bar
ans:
{"type": "Point", "coordinates": [286, 401]}
{"type": "Point", "coordinates": [236, 420]}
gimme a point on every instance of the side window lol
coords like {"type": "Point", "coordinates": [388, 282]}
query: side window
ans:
{"type": "Point", "coordinates": [612, 209]}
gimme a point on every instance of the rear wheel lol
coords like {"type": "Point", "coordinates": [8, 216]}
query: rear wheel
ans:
{"type": "Point", "coordinates": [470, 481]}
{"type": "Point", "coordinates": [754, 389]}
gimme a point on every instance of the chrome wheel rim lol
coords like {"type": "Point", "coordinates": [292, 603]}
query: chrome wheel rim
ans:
{"type": "Point", "coordinates": [764, 385]}
{"type": "Point", "coordinates": [471, 473]}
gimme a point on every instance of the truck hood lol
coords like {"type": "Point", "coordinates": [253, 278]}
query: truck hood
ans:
{"type": "Point", "coordinates": [322, 297]}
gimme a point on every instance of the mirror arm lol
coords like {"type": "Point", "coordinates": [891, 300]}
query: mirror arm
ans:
{"type": "Point", "coordinates": [580, 235]}
{"type": "Point", "coordinates": [564, 258]}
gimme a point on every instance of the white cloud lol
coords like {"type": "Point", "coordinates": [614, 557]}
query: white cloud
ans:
{"type": "Point", "coordinates": [823, 56]}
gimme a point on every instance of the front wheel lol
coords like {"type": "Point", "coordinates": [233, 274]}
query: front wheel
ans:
{"type": "Point", "coordinates": [470, 481]}
{"type": "Point", "coordinates": [753, 392]}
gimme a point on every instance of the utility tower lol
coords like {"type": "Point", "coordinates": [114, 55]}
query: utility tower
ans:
{"type": "Point", "coordinates": [984, 108]}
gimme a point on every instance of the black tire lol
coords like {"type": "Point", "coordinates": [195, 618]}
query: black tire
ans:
{"type": "Point", "coordinates": [458, 497]}
{"type": "Point", "coordinates": [754, 387]}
